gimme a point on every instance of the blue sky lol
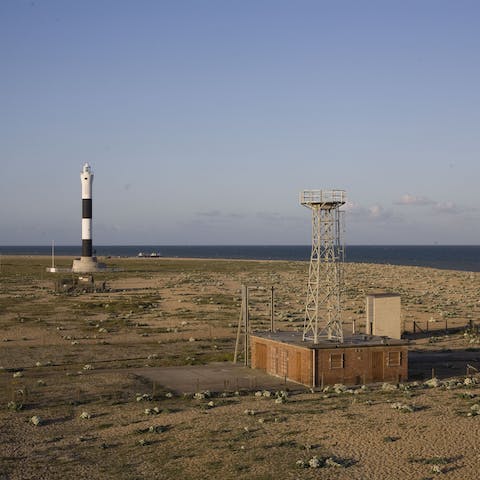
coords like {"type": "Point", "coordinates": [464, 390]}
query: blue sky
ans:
{"type": "Point", "coordinates": [203, 120]}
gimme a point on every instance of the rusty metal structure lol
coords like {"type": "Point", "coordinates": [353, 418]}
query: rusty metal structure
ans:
{"type": "Point", "coordinates": [325, 274]}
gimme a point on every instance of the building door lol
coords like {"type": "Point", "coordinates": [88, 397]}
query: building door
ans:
{"type": "Point", "coordinates": [261, 354]}
{"type": "Point", "coordinates": [377, 366]}
{"type": "Point", "coordinates": [298, 367]}
{"type": "Point", "coordinates": [295, 366]}
{"type": "Point", "coordinates": [283, 363]}
{"type": "Point", "coordinates": [274, 361]}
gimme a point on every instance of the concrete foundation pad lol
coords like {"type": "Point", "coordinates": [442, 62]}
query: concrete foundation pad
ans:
{"type": "Point", "coordinates": [87, 265]}
{"type": "Point", "coordinates": [216, 377]}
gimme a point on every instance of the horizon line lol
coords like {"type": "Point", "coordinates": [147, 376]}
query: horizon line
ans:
{"type": "Point", "coordinates": [242, 245]}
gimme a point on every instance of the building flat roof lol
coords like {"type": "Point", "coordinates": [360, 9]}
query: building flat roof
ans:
{"type": "Point", "coordinates": [383, 294]}
{"type": "Point", "coordinates": [352, 341]}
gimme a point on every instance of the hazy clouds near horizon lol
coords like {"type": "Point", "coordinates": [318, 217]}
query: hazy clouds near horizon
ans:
{"type": "Point", "coordinates": [204, 120]}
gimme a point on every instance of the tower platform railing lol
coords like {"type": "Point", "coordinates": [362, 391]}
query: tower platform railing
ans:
{"type": "Point", "coordinates": [318, 197]}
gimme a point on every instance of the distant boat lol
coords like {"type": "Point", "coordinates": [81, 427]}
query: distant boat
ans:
{"type": "Point", "coordinates": [155, 255]}
{"type": "Point", "coordinates": [140, 254]}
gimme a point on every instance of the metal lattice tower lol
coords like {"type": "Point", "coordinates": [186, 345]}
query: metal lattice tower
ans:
{"type": "Point", "coordinates": [325, 274]}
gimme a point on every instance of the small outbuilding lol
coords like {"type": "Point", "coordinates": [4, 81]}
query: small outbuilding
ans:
{"type": "Point", "coordinates": [360, 359]}
{"type": "Point", "coordinates": [383, 315]}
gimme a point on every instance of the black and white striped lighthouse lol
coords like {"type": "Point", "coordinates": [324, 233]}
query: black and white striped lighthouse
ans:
{"type": "Point", "coordinates": [86, 178]}
{"type": "Point", "coordinates": [87, 263]}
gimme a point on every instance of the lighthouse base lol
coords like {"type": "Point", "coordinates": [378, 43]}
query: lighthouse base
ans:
{"type": "Point", "coordinates": [87, 265]}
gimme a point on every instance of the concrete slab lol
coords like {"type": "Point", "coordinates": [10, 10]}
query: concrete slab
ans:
{"type": "Point", "coordinates": [216, 377]}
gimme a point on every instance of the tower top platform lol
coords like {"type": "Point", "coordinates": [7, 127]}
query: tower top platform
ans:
{"type": "Point", "coordinates": [328, 198]}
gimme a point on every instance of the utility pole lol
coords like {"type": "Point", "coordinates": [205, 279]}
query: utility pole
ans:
{"type": "Point", "coordinates": [272, 311]}
{"type": "Point", "coordinates": [243, 322]}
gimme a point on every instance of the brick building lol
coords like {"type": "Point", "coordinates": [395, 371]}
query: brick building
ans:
{"type": "Point", "coordinates": [358, 360]}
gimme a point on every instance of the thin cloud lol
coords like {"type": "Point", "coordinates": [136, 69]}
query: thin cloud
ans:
{"type": "Point", "coordinates": [269, 215]}
{"type": "Point", "coordinates": [210, 213]}
{"type": "Point", "coordinates": [449, 208]}
{"type": "Point", "coordinates": [414, 200]}
{"type": "Point", "coordinates": [278, 217]}
{"type": "Point", "coordinates": [220, 215]}
{"type": "Point", "coordinates": [439, 208]}
{"type": "Point", "coordinates": [377, 212]}
{"type": "Point", "coordinates": [374, 213]}
{"type": "Point", "coordinates": [349, 206]}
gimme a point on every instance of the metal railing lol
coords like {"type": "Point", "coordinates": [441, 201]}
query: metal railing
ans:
{"type": "Point", "coordinates": [308, 197]}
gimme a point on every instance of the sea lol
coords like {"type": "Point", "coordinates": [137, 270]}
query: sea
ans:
{"type": "Point", "coordinates": [450, 257]}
